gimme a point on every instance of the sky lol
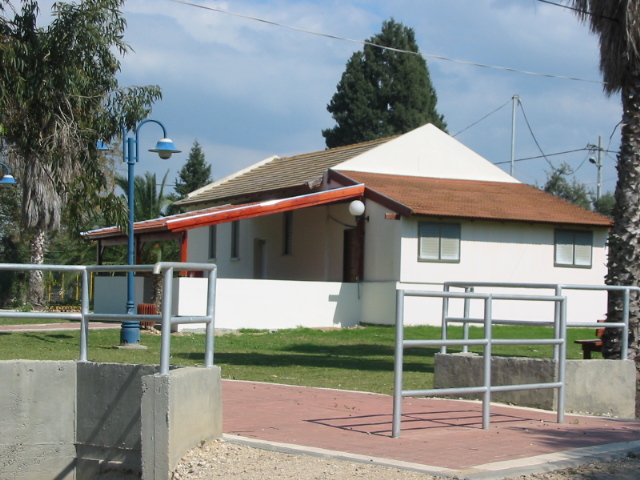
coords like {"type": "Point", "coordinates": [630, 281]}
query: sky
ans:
{"type": "Point", "coordinates": [247, 90]}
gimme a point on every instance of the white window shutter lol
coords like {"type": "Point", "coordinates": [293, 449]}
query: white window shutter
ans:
{"type": "Point", "coordinates": [429, 241]}
{"type": "Point", "coordinates": [584, 241]}
{"type": "Point", "coordinates": [450, 243]}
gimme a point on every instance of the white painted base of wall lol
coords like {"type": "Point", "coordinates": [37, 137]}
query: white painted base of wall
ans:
{"type": "Point", "coordinates": [278, 304]}
{"type": "Point", "coordinates": [269, 304]}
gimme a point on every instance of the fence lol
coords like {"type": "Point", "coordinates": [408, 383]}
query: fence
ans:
{"type": "Point", "coordinates": [486, 343]}
{"type": "Point", "coordinates": [558, 323]}
{"type": "Point", "coordinates": [558, 291]}
{"type": "Point", "coordinates": [165, 269]}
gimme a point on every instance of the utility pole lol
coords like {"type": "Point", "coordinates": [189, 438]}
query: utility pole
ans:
{"type": "Point", "coordinates": [516, 100]}
{"type": "Point", "coordinates": [598, 163]}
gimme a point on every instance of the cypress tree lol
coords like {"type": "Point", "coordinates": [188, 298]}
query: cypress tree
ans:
{"type": "Point", "coordinates": [194, 174]}
{"type": "Point", "coordinates": [383, 92]}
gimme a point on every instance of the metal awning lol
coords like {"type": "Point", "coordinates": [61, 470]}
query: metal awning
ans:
{"type": "Point", "coordinates": [171, 227]}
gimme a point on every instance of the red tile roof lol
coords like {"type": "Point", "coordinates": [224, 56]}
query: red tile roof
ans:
{"type": "Point", "coordinates": [477, 200]}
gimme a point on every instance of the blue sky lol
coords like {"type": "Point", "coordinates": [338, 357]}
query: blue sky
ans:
{"type": "Point", "coordinates": [247, 90]}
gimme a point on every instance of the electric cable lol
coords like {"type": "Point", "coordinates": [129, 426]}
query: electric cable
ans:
{"type": "Point", "coordinates": [532, 134]}
{"type": "Point", "coordinates": [486, 116]}
{"type": "Point", "coordinates": [399, 50]}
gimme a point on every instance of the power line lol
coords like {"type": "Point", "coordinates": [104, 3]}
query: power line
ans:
{"type": "Point", "coordinates": [364, 42]}
{"type": "Point", "coordinates": [532, 134]}
{"type": "Point", "coordinates": [486, 116]}
{"type": "Point", "coordinates": [543, 156]}
{"type": "Point", "coordinates": [583, 12]}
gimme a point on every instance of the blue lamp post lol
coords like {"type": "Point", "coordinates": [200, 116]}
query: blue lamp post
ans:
{"type": "Point", "coordinates": [130, 331]}
{"type": "Point", "coordinates": [6, 180]}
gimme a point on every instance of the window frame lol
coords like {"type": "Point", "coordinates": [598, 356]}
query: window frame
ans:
{"type": "Point", "coordinates": [453, 227]}
{"type": "Point", "coordinates": [287, 233]}
{"type": "Point", "coordinates": [235, 240]}
{"type": "Point", "coordinates": [213, 242]}
{"type": "Point", "coordinates": [575, 234]}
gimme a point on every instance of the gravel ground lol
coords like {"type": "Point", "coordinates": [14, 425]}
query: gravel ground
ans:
{"type": "Point", "coordinates": [221, 459]}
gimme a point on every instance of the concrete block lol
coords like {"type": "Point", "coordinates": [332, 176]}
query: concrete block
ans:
{"type": "Point", "coordinates": [601, 387]}
{"type": "Point", "coordinates": [179, 411]}
{"type": "Point", "coordinates": [597, 387]}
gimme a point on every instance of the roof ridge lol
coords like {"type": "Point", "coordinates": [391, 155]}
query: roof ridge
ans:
{"type": "Point", "coordinates": [344, 147]}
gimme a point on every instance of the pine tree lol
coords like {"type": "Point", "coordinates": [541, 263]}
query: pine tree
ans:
{"type": "Point", "coordinates": [383, 92]}
{"type": "Point", "coordinates": [194, 174]}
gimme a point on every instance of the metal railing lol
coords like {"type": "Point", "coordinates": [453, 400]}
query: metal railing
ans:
{"type": "Point", "coordinates": [167, 320]}
{"type": "Point", "coordinates": [558, 290]}
{"type": "Point", "coordinates": [487, 342]}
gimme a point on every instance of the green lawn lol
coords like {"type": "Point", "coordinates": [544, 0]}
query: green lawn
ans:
{"type": "Point", "coordinates": [351, 359]}
{"type": "Point", "coordinates": [30, 321]}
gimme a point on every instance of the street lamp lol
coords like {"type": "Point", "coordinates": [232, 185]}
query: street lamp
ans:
{"type": "Point", "coordinates": [7, 179]}
{"type": "Point", "coordinates": [130, 331]}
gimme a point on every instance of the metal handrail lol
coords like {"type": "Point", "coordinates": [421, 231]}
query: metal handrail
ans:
{"type": "Point", "coordinates": [558, 289]}
{"type": "Point", "coordinates": [166, 269]}
{"type": "Point", "coordinates": [487, 342]}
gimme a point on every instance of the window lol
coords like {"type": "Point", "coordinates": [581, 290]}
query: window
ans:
{"type": "Point", "coordinates": [212, 241]}
{"type": "Point", "coordinates": [439, 242]}
{"type": "Point", "coordinates": [573, 248]}
{"type": "Point", "coordinates": [235, 239]}
{"type": "Point", "coordinates": [287, 234]}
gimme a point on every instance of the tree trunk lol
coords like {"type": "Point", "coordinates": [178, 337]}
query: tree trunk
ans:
{"type": "Point", "coordinates": [624, 239]}
{"type": "Point", "coordinates": [36, 281]}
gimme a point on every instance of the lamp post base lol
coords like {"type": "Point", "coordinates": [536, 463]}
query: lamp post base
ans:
{"type": "Point", "coordinates": [130, 334]}
{"type": "Point", "coordinates": [131, 346]}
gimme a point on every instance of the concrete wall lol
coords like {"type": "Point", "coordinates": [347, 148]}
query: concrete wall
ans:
{"type": "Point", "coordinates": [184, 409]}
{"type": "Point", "coordinates": [598, 387]}
{"type": "Point", "coordinates": [69, 420]}
{"type": "Point", "coordinates": [109, 419]}
{"type": "Point", "coordinates": [37, 420]}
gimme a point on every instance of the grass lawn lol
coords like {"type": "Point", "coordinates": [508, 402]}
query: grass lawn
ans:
{"type": "Point", "coordinates": [30, 321]}
{"type": "Point", "coordinates": [350, 359]}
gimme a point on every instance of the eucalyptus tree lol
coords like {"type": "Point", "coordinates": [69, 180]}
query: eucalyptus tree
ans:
{"type": "Point", "coordinates": [58, 96]}
{"type": "Point", "coordinates": [616, 24]}
{"type": "Point", "coordinates": [383, 91]}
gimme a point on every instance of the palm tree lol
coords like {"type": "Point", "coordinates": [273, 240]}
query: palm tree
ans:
{"type": "Point", "coordinates": [59, 95]}
{"type": "Point", "coordinates": [616, 23]}
{"type": "Point", "coordinates": [149, 201]}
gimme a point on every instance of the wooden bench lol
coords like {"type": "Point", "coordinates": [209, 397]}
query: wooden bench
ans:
{"type": "Point", "coordinates": [593, 344]}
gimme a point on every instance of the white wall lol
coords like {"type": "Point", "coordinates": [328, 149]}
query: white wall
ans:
{"type": "Point", "coordinates": [427, 152]}
{"type": "Point", "coordinates": [317, 246]}
{"type": "Point", "coordinates": [504, 252]}
{"type": "Point", "coordinates": [382, 245]}
{"type": "Point", "coordinates": [270, 304]}
{"type": "Point", "coordinates": [110, 294]}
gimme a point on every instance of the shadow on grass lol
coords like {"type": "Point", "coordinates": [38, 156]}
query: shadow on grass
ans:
{"type": "Point", "coordinates": [357, 349]}
{"type": "Point", "coordinates": [344, 362]}
{"type": "Point", "coordinates": [49, 337]}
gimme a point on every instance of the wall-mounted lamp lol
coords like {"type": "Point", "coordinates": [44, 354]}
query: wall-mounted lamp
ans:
{"type": "Point", "coordinates": [6, 180]}
{"type": "Point", "coordinates": [356, 208]}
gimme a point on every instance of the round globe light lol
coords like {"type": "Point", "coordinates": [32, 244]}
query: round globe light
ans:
{"type": "Point", "coordinates": [356, 208]}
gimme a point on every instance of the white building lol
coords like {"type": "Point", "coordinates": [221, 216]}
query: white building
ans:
{"type": "Point", "coordinates": [289, 252]}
